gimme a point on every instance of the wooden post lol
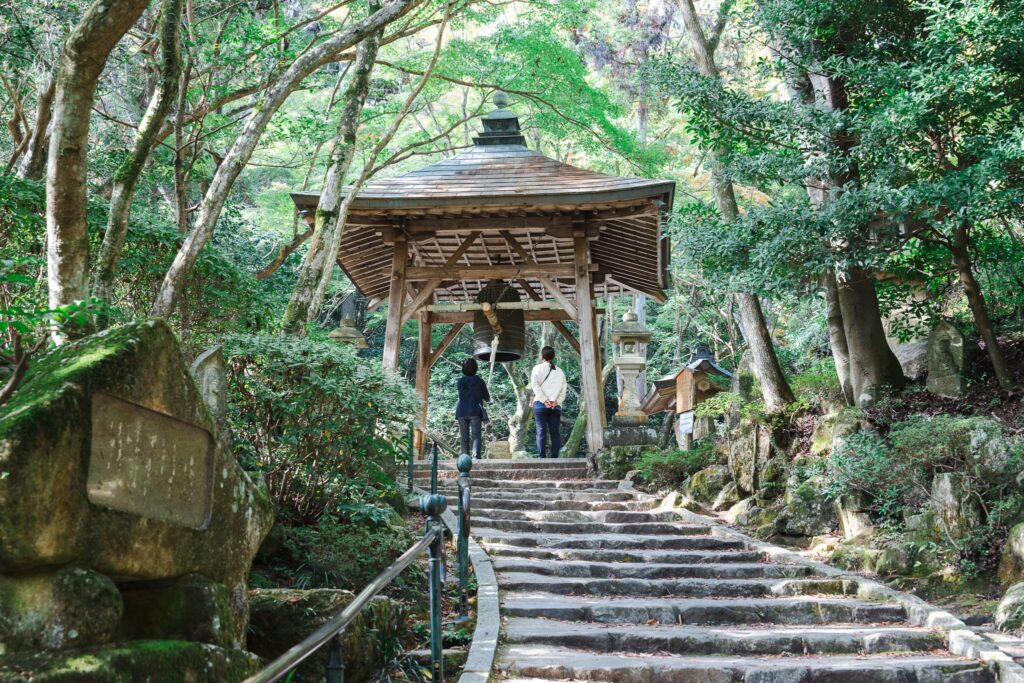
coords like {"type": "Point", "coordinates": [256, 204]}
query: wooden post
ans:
{"type": "Point", "coordinates": [396, 299]}
{"type": "Point", "coordinates": [589, 367]}
{"type": "Point", "coordinates": [423, 365]}
{"type": "Point", "coordinates": [598, 364]}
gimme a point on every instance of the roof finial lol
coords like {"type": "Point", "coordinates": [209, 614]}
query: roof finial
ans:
{"type": "Point", "coordinates": [500, 99]}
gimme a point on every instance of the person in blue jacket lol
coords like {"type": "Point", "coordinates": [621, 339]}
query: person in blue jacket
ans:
{"type": "Point", "coordinates": [469, 411]}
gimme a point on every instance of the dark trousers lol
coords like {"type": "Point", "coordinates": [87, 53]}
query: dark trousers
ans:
{"type": "Point", "coordinates": [469, 435]}
{"type": "Point", "coordinates": [547, 420]}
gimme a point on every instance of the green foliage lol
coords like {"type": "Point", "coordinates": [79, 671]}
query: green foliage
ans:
{"type": "Point", "coordinates": [338, 552]}
{"type": "Point", "coordinates": [864, 465]}
{"type": "Point", "coordinates": [323, 427]}
{"type": "Point", "coordinates": [669, 469]}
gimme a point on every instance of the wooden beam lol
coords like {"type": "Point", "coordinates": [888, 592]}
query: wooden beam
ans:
{"type": "Point", "coordinates": [423, 366]}
{"type": "Point", "coordinates": [591, 388]}
{"type": "Point", "coordinates": [435, 355]}
{"type": "Point", "coordinates": [396, 298]}
{"type": "Point", "coordinates": [548, 283]}
{"type": "Point", "coordinates": [467, 316]}
{"type": "Point", "coordinates": [532, 305]}
{"type": "Point", "coordinates": [428, 288]}
{"type": "Point", "coordinates": [504, 272]}
{"type": "Point", "coordinates": [655, 294]}
{"type": "Point", "coordinates": [557, 324]}
{"type": "Point", "coordinates": [488, 224]}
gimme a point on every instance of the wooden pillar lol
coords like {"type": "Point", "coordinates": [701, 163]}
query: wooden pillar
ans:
{"type": "Point", "coordinates": [396, 299]}
{"type": "Point", "coordinates": [589, 367]}
{"type": "Point", "coordinates": [423, 366]}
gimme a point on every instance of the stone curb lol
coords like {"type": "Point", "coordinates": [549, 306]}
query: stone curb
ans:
{"type": "Point", "coordinates": [480, 659]}
{"type": "Point", "coordinates": [962, 640]}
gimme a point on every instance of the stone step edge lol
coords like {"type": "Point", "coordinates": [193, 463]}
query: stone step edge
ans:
{"type": "Point", "coordinates": [961, 640]}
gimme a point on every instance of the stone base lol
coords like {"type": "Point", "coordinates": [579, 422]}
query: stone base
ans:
{"type": "Point", "coordinates": [630, 435]}
{"type": "Point", "coordinates": [147, 660]}
{"type": "Point", "coordinates": [190, 608]}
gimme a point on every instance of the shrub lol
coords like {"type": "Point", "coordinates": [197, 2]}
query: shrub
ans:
{"type": "Point", "coordinates": [864, 464]}
{"type": "Point", "coordinates": [669, 469]}
{"type": "Point", "coordinates": [322, 426]}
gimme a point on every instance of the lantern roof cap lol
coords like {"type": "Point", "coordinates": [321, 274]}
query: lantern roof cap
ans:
{"type": "Point", "coordinates": [348, 333]}
{"type": "Point", "coordinates": [630, 329]}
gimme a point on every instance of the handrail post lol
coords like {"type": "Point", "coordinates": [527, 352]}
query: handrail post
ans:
{"type": "Point", "coordinates": [433, 469]}
{"type": "Point", "coordinates": [335, 661]}
{"type": "Point", "coordinates": [412, 456]}
{"type": "Point", "coordinates": [465, 465]}
{"type": "Point", "coordinates": [432, 506]}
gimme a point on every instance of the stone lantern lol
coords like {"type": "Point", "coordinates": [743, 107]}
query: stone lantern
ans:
{"type": "Point", "coordinates": [630, 361]}
{"type": "Point", "coordinates": [348, 333]}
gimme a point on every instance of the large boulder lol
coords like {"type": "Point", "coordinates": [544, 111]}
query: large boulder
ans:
{"type": "Point", "coordinates": [111, 461]}
{"type": "Point", "coordinates": [955, 508]}
{"type": "Point", "coordinates": [947, 358]}
{"type": "Point", "coordinates": [852, 511]}
{"type": "Point", "coordinates": [913, 358]}
{"type": "Point", "coordinates": [280, 618]}
{"type": "Point", "coordinates": [808, 511]}
{"type": "Point", "coordinates": [750, 447]}
{"type": "Point", "coordinates": [1009, 614]}
{"type": "Point", "coordinates": [1011, 565]}
{"type": "Point", "coordinates": [704, 485]}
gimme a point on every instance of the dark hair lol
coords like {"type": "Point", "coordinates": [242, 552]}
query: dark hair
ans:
{"type": "Point", "coordinates": [469, 366]}
{"type": "Point", "coordinates": [548, 354]}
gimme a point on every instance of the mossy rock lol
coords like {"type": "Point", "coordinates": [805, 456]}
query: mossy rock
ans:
{"type": "Point", "coordinates": [1009, 614]}
{"type": "Point", "coordinates": [704, 485]}
{"type": "Point", "coordinates": [161, 661]}
{"type": "Point", "coordinates": [808, 510]}
{"type": "Point", "coordinates": [46, 443]}
{"type": "Point", "coordinates": [855, 556]}
{"type": "Point", "coordinates": [1011, 565]}
{"type": "Point", "coordinates": [68, 608]}
{"type": "Point", "coordinates": [280, 618]}
{"type": "Point", "coordinates": [191, 608]}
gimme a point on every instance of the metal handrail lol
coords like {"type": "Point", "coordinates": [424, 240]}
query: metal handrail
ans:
{"type": "Point", "coordinates": [433, 540]}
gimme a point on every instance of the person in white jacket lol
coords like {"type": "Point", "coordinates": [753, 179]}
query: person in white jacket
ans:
{"type": "Point", "coordinates": [548, 384]}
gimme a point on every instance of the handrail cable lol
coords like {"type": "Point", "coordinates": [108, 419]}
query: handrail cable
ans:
{"type": "Point", "coordinates": [300, 652]}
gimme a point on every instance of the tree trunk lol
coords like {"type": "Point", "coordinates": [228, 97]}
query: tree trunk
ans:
{"type": "Point", "coordinates": [328, 217]}
{"type": "Point", "coordinates": [837, 337]}
{"type": "Point", "coordinates": [774, 388]}
{"type": "Point", "coordinates": [127, 176]}
{"type": "Point", "coordinates": [519, 421]}
{"type": "Point", "coordinates": [81, 63]}
{"type": "Point", "coordinates": [873, 365]}
{"type": "Point", "coordinates": [240, 152]}
{"type": "Point", "coordinates": [976, 302]}
{"type": "Point", "coordinates": [33, 163]}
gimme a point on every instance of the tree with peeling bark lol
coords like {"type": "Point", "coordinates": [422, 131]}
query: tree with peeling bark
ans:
{"type": "Point", "coordinates": [81, 63]}
{"type": "Point", "coordinates": [241, 151]}
{"type": "Point", "coordinates": [127, 176]}
{"type": "Point", "coordinates": [774, 387]}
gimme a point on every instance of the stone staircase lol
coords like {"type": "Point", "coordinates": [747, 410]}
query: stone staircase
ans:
{"type": "Point", "coordinates": [599, 584]}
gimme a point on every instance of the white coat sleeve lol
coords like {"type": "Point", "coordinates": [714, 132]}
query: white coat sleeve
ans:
{"type": "Point", "coordinates": [561, 391]}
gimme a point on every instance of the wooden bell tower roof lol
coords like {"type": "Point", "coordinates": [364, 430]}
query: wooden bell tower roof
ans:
{"type": "Point", "coordinates": [521, 209]}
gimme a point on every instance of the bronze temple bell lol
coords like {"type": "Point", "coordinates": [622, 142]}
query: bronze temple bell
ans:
{"type": "Point", "coordinates": [512, 323]}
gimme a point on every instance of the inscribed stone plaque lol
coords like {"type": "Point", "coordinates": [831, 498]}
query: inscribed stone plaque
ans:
{"type": "Point", "coordinates": [149, 464]}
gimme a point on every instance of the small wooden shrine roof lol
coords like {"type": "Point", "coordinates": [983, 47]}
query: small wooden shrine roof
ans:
{"type": "Point", "coordinates": [524, 206]}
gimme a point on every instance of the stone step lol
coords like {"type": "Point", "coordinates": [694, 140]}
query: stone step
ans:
{"type": "Point", "coordinates": [540, 485]}
{"type": "Point", "coordinates": [699, 540]}
{"type": "Point", "coordinates": [641, 528]}
{"type": "Point", "coordinates": [547, 663]}
{"type": "Point", "coordinates": [651, 570]}
{"type": "Point", "coordinates": [692, 640]}
{"type": "Point", "coordinates": [674, 588]}
{"type": "Point", "coordinates": [483, 500]}
{"type": "Point", "coordinates": [517, 475]}
{"type": "Point", "coordinates": [577, 516]}
{"type": "Point", "coordinates": [682, 557]}
{"type": "Point", "coordinates": [794, 610]}
{"type": "Point", "coordinates": [538, 499]}
{"type": "Point", "coordinates": [506, 464]}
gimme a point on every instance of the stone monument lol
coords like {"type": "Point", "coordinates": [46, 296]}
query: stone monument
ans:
{"type": "Point", "coordinates": [124, 516]}
{"type": "Point", "coordinates": [629, 424]}
{"type": "Point", "coordinates": [947, 359]}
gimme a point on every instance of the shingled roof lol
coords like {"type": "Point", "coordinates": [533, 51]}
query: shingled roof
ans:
{"type": "Point", "coordinates": [501, 185]}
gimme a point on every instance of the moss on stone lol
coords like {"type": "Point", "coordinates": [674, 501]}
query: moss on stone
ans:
{"type": "Point", "coordinates": [160, 661]}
